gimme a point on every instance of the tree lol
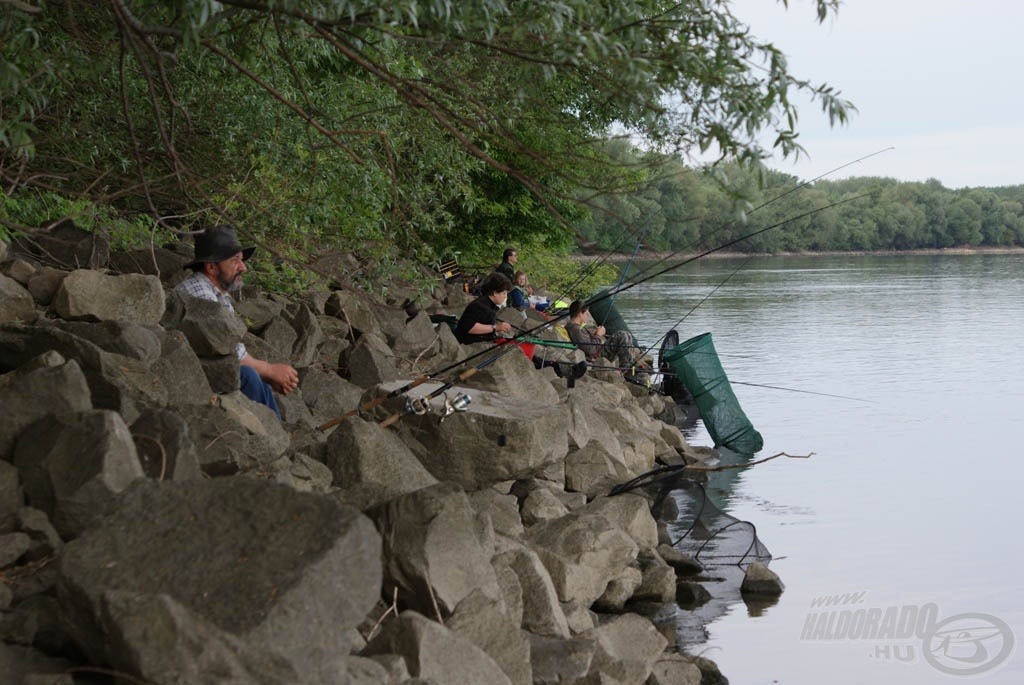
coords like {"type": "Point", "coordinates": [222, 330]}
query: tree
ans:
{"type": "Point", "coordinates": [358, 120]}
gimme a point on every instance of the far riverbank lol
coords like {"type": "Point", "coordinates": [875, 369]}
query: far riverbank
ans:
{"type": "Point", "coordinates": [655, 255]}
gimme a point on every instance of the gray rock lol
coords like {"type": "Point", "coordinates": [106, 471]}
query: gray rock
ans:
{"type": "Point", "coordinates": [296, 414]}
{"type": "Point", "coordinates": [351, 308]}
{"type": "Point", "coordinates": [628, 646]}
{"type": "Point", "coordinates": [168, 265]}
{"type": "Point", "coordinates": [542, 505]}
{"type": "Point", "coordinates": [433, 652]}
{"type": "Point", "coordinates": [371, 361]}
{"type": "Point", "coordinates": [181, 372]}
{"type": "Point", "coordinates": [365, 671]}
{"type": "Point", "coordinates": [594, 470]}
{"type": "Point", "coordinates": [165, 446]}
{"type": "Point", "coordinates": [512, 375]}
{"type": "Point", "coordinates": [229, 441]}
{"type": "Point", "coordinates": [72, 465]}
{"type": "Point", "coordinates": [287, 573]}
{"type": "Point", "coordinates": [210, 327]}
{"type": "Point", "coordinates": [46, 542]}
{"type": "Point", "coordinates": [496, 439]}
{"type": "Point", "coordinates": [370, 464]}
{"type": "Point", "coordinates": [674, 669]}
{"type": "Point", "coordinates": [125, 338]}
{"type": "Point", "coordinates": [221, 373]}
{"type": "Point", "coordinates": [690, 595]}
{"type": "Point", "coordinates": [19, 269]}
{"type": "Point", "coordinates": [118, 383]}
{"type": "Point", "coordinates": [156, 638]}
{"type": "Point", "coordinates": [631, 513]}
{"type": "Point", "coordinates": [483, 621]}
{"type": "Point", "coordinates": [281, 336]}
{"type": "Point", "coordinates": [761, 580]}
{"type": "Point", "coordinates": [542, 612]}
{"type": "Point", "coordinates": [302, 473]}
{"type": "Point", "coordinates": [511, 591]}
{"type": "Point", "coordinates": [502, 509]}
{"type": "Point", "coordinates": [659, 585]}
{"type": "Point", "coordinates": [256, 312]}
{"type": "Point", "coordinates": [417, 338]}
{"type": "Point", "coordinates": [560, 660]}
{"type": "Point", "coordinates": [309, 334]}
{"type": "Point", "coordinates": [583, 552]}
{"type": "Point", "coordinates": [45, 283]}
{"type": "Point", "coordinates": [682, 563]}
{"type": "Point", "coordinates": [94, 296]}
{"type": "Point", "coordinates": [16, 303]}
{"type": "Point", "coordinates": [326, 394]}
{"type": "Point", "coordinates": [619, 590]}
{"type": "Point", "coordinates": [435, 549]}
{"type": "Point", "coordinates": [31, 393]}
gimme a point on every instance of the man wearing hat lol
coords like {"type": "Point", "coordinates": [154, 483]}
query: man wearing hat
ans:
{"type": "Point", "coordinates": [217, 271]}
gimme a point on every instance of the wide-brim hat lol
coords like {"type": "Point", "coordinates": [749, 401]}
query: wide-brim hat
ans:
{"type": "Point", "coordinates": [216, 244]}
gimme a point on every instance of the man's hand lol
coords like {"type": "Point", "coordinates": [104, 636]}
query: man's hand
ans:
{"type": "Point", "coordinates": [600, 330]}
{"type": "Point", "coordinates": [282, 377]}
{"type": "Point", "coordinates": [503, 327]}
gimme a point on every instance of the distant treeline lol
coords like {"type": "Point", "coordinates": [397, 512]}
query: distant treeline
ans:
{"type": "Point", "coordinates": [680, 209]}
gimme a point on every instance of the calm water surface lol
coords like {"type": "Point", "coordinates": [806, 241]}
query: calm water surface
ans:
{"type": "Point", "coordinates": [913, 494]}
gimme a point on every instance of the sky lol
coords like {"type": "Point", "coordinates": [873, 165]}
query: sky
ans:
{"type": "Point", "coordinates": [940, 81]}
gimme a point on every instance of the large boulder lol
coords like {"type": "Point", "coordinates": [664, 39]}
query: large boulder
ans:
{"type": "Point", "coordinates": [45, 387]}
{"type": "Point", "coordinates": [542, 612]}
{"type": "Point", "coordinates": [326, 394]}
{"type": "Point", "coordinates": [370, 464]}
{"type": "Point", "coordinates": [354, 310]}
{"type": "Point", "coordinates": [371, 361]}
{"type": "Point", "coordinates": [165, 446]}
{"type": "Point", "coordinates": [434, 653]}
{"type": "Point", "coordinates": [417, 339]}
{"type": "Point", "coordinates": [496, 439]}
{"type": "Point", "coordinates": [558, 660]}
{"type": "Point", "coordinates": [511, 374]}
{"type": "Point", "coordinates": [583, 552]}
{"type": "Point", "coordinates": [309, 335]}
{"type": "Point", "coordinates": [165, 263]}
{"type": "Point", "coordinates": [435, 549]}
{"type": "Point", "coordinates": [125, 338]}
{"type": "Point", "coordinates": [631, 513]}
{"type": "Point", "coordinates": [234, 435]}
{"type": "Point", "coordinates": [72, 465]}
{"type": "Point", "coordinates": [95, 296]}
{"type": "Point", "coordinates": [210, 327]}
{"type": "Point", "coordinates": [628, 646]}
{"type": "Point", "coordinates": [289, 574]}
{"type": "Point", "coordinates": [483, 621]}
{"type": "Point", "coordinates": [183, 374]}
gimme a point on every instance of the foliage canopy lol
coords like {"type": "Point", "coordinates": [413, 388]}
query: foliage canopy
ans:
{"type": "Point", "coordinates": [412, 125]}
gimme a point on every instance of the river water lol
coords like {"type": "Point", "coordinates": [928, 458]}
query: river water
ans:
{"type": "Point", "coordinates": [911, 505]}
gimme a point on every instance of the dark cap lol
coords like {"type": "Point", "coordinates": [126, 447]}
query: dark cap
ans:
{"type": "Point", "coordinates": [217, 244]}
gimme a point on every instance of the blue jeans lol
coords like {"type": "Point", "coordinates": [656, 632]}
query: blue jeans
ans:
{"type": "Point", "coordinates": [255, 389]}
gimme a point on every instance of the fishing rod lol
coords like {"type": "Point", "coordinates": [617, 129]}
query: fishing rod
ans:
{"type": "Point", "coordinates": [625, 269]}
{"type": "Point", "coordinates": [370, 404]}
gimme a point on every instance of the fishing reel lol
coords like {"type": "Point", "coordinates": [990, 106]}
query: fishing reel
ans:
{"type": "Point", "coordinates": [421, 405]}
{"type": "Point", "coordinates": [460, 402]}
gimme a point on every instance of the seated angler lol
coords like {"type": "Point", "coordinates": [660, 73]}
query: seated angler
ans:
{"type": "Point", "coordinates": [479, 321]}
{"type": "Point", "coordinates": [618, 347]}
{"type": "Point", "coordinates": [517, 296]}
{"type": "Point", "coordinates": [217, 271]}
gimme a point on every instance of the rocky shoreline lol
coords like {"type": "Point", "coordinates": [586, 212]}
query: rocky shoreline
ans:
{"type": "Point", "coordinates": [156, 526]}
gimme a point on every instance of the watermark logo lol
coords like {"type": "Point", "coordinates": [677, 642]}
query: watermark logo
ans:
{"type": "Point", "coordinates": [961, 645]}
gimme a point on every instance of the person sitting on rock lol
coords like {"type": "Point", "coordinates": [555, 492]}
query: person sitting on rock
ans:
{"type": "Point", "coordinates": [617, 347]}
{"type": "Point", "coordinates": [479, 321]}
{"type": "Point", "coordinates": [507, 268]}
{"type": "Point", "coordinates": [517, 296]}
{"type": "Point", "coordinates": [217, 271]}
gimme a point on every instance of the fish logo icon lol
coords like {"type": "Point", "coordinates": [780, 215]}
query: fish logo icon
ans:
{"type": "Point", "coordinates": [968, 644]}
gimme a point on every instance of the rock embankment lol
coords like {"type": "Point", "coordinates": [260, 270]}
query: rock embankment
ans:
{"type": "Point", "coordinates": [155, 522]}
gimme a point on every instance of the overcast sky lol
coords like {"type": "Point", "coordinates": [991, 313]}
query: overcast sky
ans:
{"type": "Point", "coordinates": [941, 81]}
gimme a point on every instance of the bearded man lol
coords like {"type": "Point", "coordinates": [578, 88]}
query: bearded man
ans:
{"type": "Point", "coordinates": [216, 272]}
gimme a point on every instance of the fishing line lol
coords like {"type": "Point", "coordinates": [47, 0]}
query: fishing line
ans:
{"type": "Point", "coordinates": [638, 280]}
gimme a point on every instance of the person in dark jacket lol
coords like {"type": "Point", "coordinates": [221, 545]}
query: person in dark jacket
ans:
{"type": "Point", "coordinates": [507, 268]}
{"type": "Point", "coordinates": [479, 321]}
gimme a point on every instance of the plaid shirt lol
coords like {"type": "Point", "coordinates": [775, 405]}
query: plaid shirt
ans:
{"type": "Point", "coordinates": [198, 285]}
